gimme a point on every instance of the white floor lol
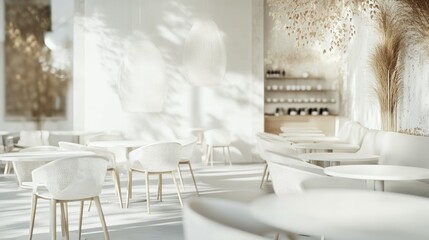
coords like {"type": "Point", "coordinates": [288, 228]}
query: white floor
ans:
{"type": "Point", "coordinates": [240, 182]}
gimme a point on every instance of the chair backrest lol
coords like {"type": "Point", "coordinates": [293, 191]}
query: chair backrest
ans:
{"type": "Point", "coordinates": [405, 150]}
{"type": "Point", "coordinates": [23, 169]}
{"type": "Point", "coordinates": [100, 152]}
{"type": "Point", "coordinates": [72, 178]}
{"type": "Point", "coordinates": [218, 137]}
{"type": "Point", "coordinates": [269, 145]}
{"type": "Point", "coordinates": [356, 133]}
{"type": "Point", "coordinates": [212, 219]}
{"type": "Point", "coordinates": [33, 138]}
{"type": "Point", "coordinates": [188, 145]}
{"type": "Point", "coordinates": [156, 157]}
{"type": "Point", "coordinates": [288, 178]}
{"type": "Point", "coordinates": [372, 142]}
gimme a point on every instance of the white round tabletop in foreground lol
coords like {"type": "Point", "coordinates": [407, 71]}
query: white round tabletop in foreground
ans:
{"type": "Point", "coordinates": [338, 157]}
{"type": "Point", "coordinates": [378, 172]}
{"type": "Point", "coordinates": [347, 214]}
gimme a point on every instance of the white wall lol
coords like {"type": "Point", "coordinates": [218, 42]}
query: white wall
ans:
{"type": "Point", "coordinates": [103, 26]}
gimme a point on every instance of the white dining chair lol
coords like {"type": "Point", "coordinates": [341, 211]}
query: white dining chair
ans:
{"type": "Point", "coordinates": [69, 180]}
{"type": "Point", "coordinates": [267, 142]}
{"type": "Point", "coordinates": [33, 138]}
{"type": "Point", "coordinates": [112, 168]}
{"type": "Point", "coordinates": [188, 145]}
{"type": "Point", "coordinates": [23, 169]}
{"type": "Point", "coordinates": [217, 138]}
{"type": "Point", "coordinates": [154, 159]}
{"type": "Point", "coordinates": [212, 219]}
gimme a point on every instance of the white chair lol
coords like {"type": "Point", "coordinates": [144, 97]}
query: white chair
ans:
{"type": "Point", "coordinates": [212, 219]}
{"type": "Point", "coordinates": [121, 153]}
{"type": "Point", "coordinates": [267, 142]}
{"type": "Point", "coordinates": [188, 145]}
{"type": "Point", "coordinates": [104, 153]}
{"type": "Point", "coordinates": [158, 158]}
{"type": "Point", "coordinates": [33, 138]}
{"type": "Point", "coordinates": [68, 180]}
{"type": "Point", "coordinates": [23, 169]}
{"type": "Point", "coordinates": [289, 174]}
{"type": "Point", "coordinates": [217, 138]}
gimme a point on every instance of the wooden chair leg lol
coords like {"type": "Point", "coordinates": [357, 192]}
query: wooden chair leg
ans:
{"type": "Point", "coordinates": [117, 182]}
{"type": "Point", "coordinates": [53, 224]}
{"type": "Point", "coordinates": [180, 176]}
{"type": "Point", "coordinates": [211, 155]}
{"type": "Point", "coordinates": [33, 214]}
{"type": "Point", "coordinates": [193, 178]}
{"type": "Point", "coordinates": [147, 192]}
{"type": "Point", "coordinates": [224, 155]}
{"type": "Point", "coordinates": [64, 221]}
{"type": "Point", "coordinates": [90, 205]}
{"type": "Point", "coordinates": [129, 187]}
{"type": "Point", "coordinates": [159, 196]}
{"type": "Point", "coordinates": [263, 175]}
{"type": "Point", "coordinates": [102, 220]}
{"type": "Point", "coordinates": [7, 168]}
{"type": "Point", "coordinates": [80, 219]}
{"type": "Point", "coordinates": [229, 156]}
{"type": "Point", "coordinates": [177, 189]}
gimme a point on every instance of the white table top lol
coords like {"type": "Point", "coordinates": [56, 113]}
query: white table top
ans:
{"type": "Point", "coordinates": [327, 146]}
{"type": "Point", "coordinates": [73, 133]}
{"type": "Point", "coordinates": [378, 172]}
{"type": "Point", "coordinates": [347, 214]}
{"type": "Point", "coordinates": [301, 131]}
{"type": "Point", "coordinates": [118, 143]}
{"type": "Point", "coordinates": [338, 157]}
{"type": "Point", "coordinates": [301, 134]}
{"type": "Point", "coordinates": [309, 139]}
{"type": "Point", "coordinates": [42, 155]}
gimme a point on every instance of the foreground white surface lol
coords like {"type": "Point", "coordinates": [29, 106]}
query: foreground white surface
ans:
{"type": "Point", "coordinates": [347, 214]}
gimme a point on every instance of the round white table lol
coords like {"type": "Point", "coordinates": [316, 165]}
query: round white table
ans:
{"type": "Point", "coordinates": [330, 147]}
{"type": "Point", "coordinates": [379, 173]}
{"type": "Point", "coordinates": [333, 159]}
{"type": "Point", "coordinates": [118, 143]}
{"type": "Point", "coordinates": [42, 156]}
{"type": "Point", "coordinates": [120, 148]}
{"type": "Point", "coordinates": [301, 134]}
{"type": "Point", "coordinates": [347, 214]}
{"type": "Point", "coordinates": [76, 135]}
{"type": "Point", "coordinates": [308, 139]}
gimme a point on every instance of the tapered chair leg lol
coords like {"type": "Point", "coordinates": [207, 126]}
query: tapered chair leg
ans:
{"type": "Point", "coordinates": [177, 189]}
{"type": "Point", "coordinates": [263, 175]}
{"type": "Point", "coordinates": [229, 156]}
{"type": "Point", "coordinates": [129, 187]}
{"type": "Point", "coordinates": [147, 192]}
{"type": "Point", "coordinates": [33, 214]}
{"type": "Point", "coordinates": [224, 155]}
{"type": "Point", "coordinates": [117, 181]}
{"type": "Point", "coordinates": [80, 219]}
{"type": "Point", "coordinates": [64, 221]}
{"type": "Point", "coordinates": [180, 177]}
{"type": "Point", "coordinates": [53, 224]}
{"type": "Point", "coordinates": [211, 155]}
{"type": "Point", "coordinates": [193, 178]}
{"type": "Point", "coordinates": [159, 197]}
{"type": "Point", "coordinates": [101, 215]}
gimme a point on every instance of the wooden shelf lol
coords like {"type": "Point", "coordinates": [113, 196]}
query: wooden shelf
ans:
{"type": "Point", "coordinates": [293, 78]}
{"type": "Point", "coordinates": [329, 102]}
{"type": "Point", "coordinates": [301, 91]}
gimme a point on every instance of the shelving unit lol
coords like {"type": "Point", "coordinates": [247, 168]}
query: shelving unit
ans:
{"type": "Point", "coordinates": [300, 92]}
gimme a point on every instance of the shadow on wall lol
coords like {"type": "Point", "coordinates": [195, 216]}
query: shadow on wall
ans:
{"type": "Point", "coordinates": [163, 30]}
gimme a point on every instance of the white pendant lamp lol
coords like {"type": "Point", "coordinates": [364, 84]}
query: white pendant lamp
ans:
{"type": "Point", "coordinates": [204, 57]}
{"type": "Point", "coordinates": [142, 85]}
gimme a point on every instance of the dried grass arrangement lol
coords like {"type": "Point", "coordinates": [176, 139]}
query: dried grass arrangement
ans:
{"type": "Point", "coordinates": [416, 16]}
{"type": "Point", "coordinates": [387, 64]}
